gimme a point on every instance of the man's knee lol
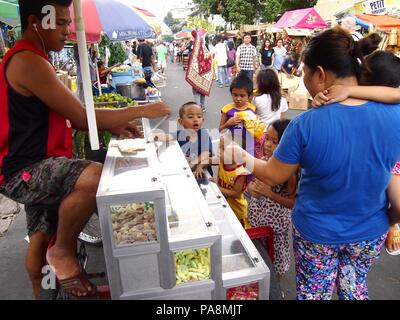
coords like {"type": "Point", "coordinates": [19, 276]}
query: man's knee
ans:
{"type": "Point", "coordinates": [89, 180]}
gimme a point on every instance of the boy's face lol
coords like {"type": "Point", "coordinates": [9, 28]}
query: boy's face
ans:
{"type": "Point", "coordinates": [192, 118]}
{"type": "Point", "coordinates": [240, 97]}
{"type": "Point", "coordinates": [54, 39]}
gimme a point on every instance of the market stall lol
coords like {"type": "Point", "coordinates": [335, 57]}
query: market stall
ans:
{"type": "Point", "coordinates": [301, 19]}
{"type": "Point", "coordinates": [167, 238]}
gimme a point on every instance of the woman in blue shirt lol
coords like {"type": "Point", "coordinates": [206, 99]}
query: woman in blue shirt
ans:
{"type": "Point", "coordinates": [346, 152]}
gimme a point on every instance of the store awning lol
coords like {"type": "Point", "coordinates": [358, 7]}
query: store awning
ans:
{"type": "Point", "coordinates": [380, 21]}
{"type": "Point", "coordinates": [303, 19]}
{"type": "Point", "coordinates": [293, 32]}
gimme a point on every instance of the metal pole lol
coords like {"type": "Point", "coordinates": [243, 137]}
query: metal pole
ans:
{"type": "Point", "coordinates": [87, 84]}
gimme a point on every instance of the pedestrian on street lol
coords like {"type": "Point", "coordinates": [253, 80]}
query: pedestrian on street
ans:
{"type": "Point", "coordinates": [231, 56]}
{"type": "Point", "coordinates": [146, 56]}
{"type": "Point", "coordinates": [162, 53]}
{"type": "Point", "coordinates": [267, 54]}
{"type": "Point", "coordinates": [246, 58]}
{"type": "Point", "coordinates": [340, 217]}
{"type": "Point", "coordinates": [221, 52]}
{"type": "Point", "coordinates": [36, 165]}
{"type": "Point", "coordinates": [279, 55]}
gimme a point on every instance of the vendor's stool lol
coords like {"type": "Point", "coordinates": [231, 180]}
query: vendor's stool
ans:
{"type": "Point", "coordinates": [268, 234]}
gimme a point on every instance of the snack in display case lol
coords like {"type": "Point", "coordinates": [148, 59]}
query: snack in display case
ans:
{"type": "Point", "coordinates": [129, 163]}
{"type": "Point", "coordinates": [192, 265]}
{"type": "Point", "coordinates": [245, 292]}
{"type": "Point", "coordinates": [236, 262]}
{"type": "Point", "coordinates": [133, 223]}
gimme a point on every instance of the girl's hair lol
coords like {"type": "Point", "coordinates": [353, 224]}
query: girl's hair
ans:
{"type": "Point", "coordinates": [280, 127]}
{"type": "Point", "coordinates": [268, 83]}
{"type": "Point", "coordinates": [384, 70]}
{"type": "Point", "coordinates": [336, 51]}
{"type": "Point", "coordinates": [231, 45]}
{"type": "Point", "coordinates": [277, 40]}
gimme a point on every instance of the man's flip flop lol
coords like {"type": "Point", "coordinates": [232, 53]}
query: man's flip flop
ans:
{"type": "Point", "coordinates": [78, 286]}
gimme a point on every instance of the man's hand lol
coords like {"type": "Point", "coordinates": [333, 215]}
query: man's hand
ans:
{"type": "Point", "coordinates": [156, 110]}
{"type": "Point", "coordinates": [127, 131]}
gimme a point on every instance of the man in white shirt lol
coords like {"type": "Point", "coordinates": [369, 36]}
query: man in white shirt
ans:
{"type": "Point", "coordinates": [349, 24]}
{"type": "Point", "coordinates": [246, 57]}
{"type": "Point", "coordinates": [221, 54]}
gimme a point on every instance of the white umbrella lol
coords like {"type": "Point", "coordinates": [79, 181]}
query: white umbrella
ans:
{"type": "Point", "coordinates": [87, 84]}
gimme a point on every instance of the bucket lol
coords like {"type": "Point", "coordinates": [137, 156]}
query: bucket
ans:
{"type": "Point", "coordinates": [132, 90]}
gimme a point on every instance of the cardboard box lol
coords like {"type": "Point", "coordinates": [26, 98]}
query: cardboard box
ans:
{"type": "Point", "coordinates": [298, 101]}
{"type": "Point", "coordinates": [63, 76]}
{"type": "Point", "coordinates": [72, 83]}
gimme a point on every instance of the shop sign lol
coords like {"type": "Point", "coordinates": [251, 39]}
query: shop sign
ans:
{"type": "Point", "coordinates": [375, 6]}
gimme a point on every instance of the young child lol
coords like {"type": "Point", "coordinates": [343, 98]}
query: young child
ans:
{"type": "Point", "coordinates": [232, 180]}
{"type": "Point", "coordinates": [269, 103]}
{"type": "Point", "coordinates": [241, 117]}
{"type": "Point", "coordinates": [383, 81]}
{"type": "Point", "coordinates": [194, 141]}
{"type": "Point", "coordinates": [271, 206]}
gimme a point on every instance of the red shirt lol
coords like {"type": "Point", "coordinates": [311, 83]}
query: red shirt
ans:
{"type": "Point", "coordinates": [29, 130]}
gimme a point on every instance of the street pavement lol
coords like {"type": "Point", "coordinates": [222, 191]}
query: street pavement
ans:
{"type": "Point", "coordinates": [383, 280]}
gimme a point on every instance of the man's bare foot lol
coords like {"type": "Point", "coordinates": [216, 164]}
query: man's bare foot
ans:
{"type": "Point", "coordinates": [68, 272]}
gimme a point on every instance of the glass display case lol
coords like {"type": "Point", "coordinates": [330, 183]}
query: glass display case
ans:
{"type": "Point", "coordinates": [165, 237]}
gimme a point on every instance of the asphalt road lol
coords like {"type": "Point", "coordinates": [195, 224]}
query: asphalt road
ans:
{"type": "Point", "coordinates": [383, 280]}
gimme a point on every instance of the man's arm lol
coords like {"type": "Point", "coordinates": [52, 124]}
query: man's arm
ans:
{"type": "Point", "coordinates": [41, 81]}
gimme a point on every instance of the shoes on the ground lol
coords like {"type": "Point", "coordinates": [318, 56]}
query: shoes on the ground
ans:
{"type": "Point", "coordinates": [204, 109]}
{"type": "Point", "coordinates": [227, 85]}
{"type": "Point", "coordinates": [219, 86]}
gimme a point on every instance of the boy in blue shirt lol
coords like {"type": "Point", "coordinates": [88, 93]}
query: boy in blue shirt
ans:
{"type": "Point", "coordinates": [194, 140]}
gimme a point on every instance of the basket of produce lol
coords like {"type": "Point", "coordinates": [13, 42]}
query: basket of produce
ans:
{"type": "Point", "coordinates": [122, 71]}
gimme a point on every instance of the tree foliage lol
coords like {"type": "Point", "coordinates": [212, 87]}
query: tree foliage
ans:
{"type": "Point", "coordinates": [240, 12]}
{"type": "Point", "coordinates": [200, 23]}
{"type": "Point", "coordinates": [173, 23]}
{"type": "Point", "coordinates": [117, 51]}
